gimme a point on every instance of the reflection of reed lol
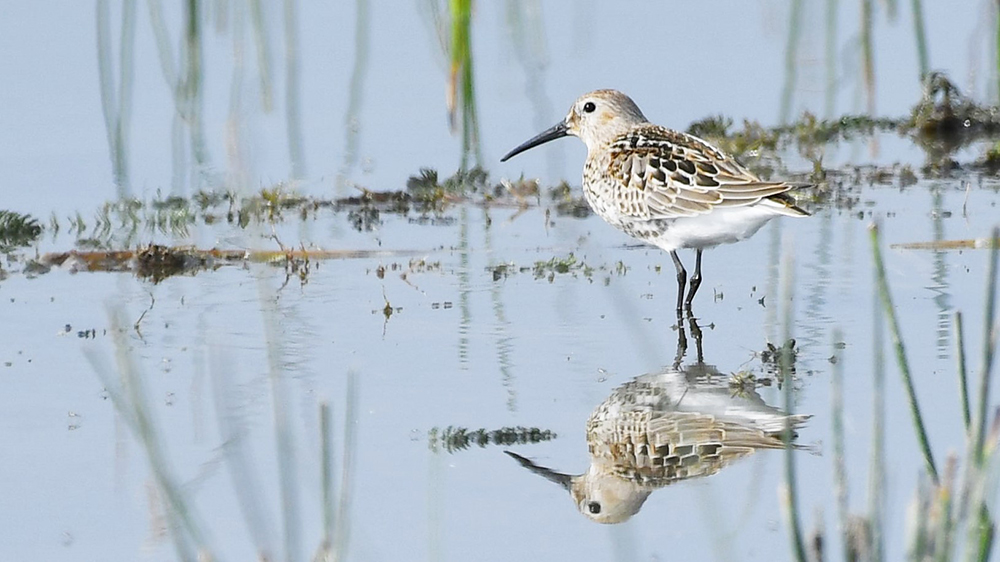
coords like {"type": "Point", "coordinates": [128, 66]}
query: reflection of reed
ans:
{"type": "Point", "coordinates": [867, 57]}
{"type": "Point", "coordinates": [293, 119]}
{"type": "Point", "coordinates": [791, 51]}
{"type": "Point", "coordinates": [661, 428]}
{"type": "Point", "coordinates": [116, 115]}
{"type": "Point", "coordinates": [464, 289]}
{"type": "Point", "coordinates": [527, 35]}
{"type": "Point", "coordinates": [876, 475]}
{"type": "Point", "coordinates": [184, 86]}
{"type": "Point", "coordinates": [816, 314]}
{"type": "Point", "coordinates": [352, 123]}
{"type": "Point", "coordinates": [263, 53]}
{"type": "Point", "coordinates": [886, 301]}
{"type": "Point", "coordinates": [455, 36]}
{"type": "Point", "coordinates": [503, 340]}
{"type": "Point", "coordinates": [125, 384]}
{"type": "Point", "coordinates": [831, 59]}
{"type": "Point", "coordinates": [939, 277]}
{"type": "Point", "coordinates": [921, 37]}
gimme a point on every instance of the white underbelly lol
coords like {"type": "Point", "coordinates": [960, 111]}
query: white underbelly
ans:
{"type": "Point", "coordinates": [720, 226]}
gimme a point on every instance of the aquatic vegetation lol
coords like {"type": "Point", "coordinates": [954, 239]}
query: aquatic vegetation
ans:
{"type": "Point", "coordinates": [950, 516]}
{"type": "Point", "coordinates": [453, 439]}
{"type": "Point", "coordinates": [778, 360]}
{"type": "Point", "coordinates": [559, 266]}
{"type": "Point", "coordinates": [17, 229]}
{"type": "Point", "coordinates": [452, 27]}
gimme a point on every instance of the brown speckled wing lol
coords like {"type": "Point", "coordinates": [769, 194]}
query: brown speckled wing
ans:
{"type": "Point", "coordinates": [656, 173]}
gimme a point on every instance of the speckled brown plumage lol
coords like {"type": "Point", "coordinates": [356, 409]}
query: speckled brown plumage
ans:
{"type": "Point", "coordinates": [664, 187]}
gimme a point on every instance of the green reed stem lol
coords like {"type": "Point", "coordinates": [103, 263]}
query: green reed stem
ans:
{"type": "Point", "coordinates": [921, 36]}
{"type": "Point", "coordinates": [785, 365]}
{"type": "Point", "coordinates": [876, 471]}
{"type": "Point", "coordinates": [997, 23]}
{"type": "Point", "coordinates": [461, 71]}
{"type": "Point", "coordinates": [263, 54]}
{"type": "Point", "coordinates": [293, 117]}
{"type": "Point", "coordinates": [867, 57]}
{"type": "Point", "coordinates": [280, 404]}
{"type": "Point", "coordinates": [130, 400]}
{"type": "Point", "coordinates": [342, 530]}
{"type": "Point", "coordinates": [831, 58]}
{"type": "Point", "coordinates": [236, 451]}
{"type": "Point", "coordinates": [791, 50]}
{"type": "Point", "coordinates": [326, 472]}
{"type": "Point", "coordinates": [904, 366]}
{"type": "Point", "coordinates": [963, 382]}
{"type": "Point", "coordinates": [116, 115]}
{"type": "Point", "coordinates": [124, 114]}
{"type": "Point", "coordinates": [989, 346]}
{"type": "Point", "coordinates": [352, 122]}
{"type": "Point", "coordinates": [839, 457]}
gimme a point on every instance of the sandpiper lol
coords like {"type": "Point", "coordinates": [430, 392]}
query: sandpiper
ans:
{"type": "Point", "coordinates": [662, 428]}
{"type": "Point", "coordinates": [664, 187]}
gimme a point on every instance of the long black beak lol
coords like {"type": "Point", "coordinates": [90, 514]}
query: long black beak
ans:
{"type": "Point", "coordinates": [558, 131]}
{"type": "Point", "coordinates": [564, 480]}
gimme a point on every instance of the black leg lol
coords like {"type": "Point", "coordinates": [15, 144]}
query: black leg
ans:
{"type": "Point", "coordinates": [681, 281]}
{"type": "Point", "coordinates": [682, 344]}
{"type": "Point", "coordinates": [696, 332]}
{"type": "Point", "coordinates": [695, 281]}
{"type": "Point", "coordinates": [682, 341]}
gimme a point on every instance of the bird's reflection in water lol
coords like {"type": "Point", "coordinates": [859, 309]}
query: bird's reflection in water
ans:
{"type": "Point", "coordinates": [661, 428]}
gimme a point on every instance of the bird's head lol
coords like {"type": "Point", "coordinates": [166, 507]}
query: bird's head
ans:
{"type": "Point", "coordinates": [596, 118]}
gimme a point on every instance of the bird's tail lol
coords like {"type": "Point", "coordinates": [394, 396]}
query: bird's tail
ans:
{"type": "Point", "coordinates": [784, 204]}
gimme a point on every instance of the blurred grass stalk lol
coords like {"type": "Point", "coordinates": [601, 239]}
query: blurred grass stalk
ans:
{"type": "Point", "coordinates": [789, 497]}
{"type": "Point", "coordinates": [921, 37]}
{"type": "Point", "coordinates": [237, 454]}
{"type": "Point", "coordinates": [293, 118]}
{"type": "Point", "coordinates": [185, 87]}
{"type": "Point", "coordinates": [876, 474]}
{"type": "Point", "coordinates": [461, 63]}
{"type": "Point", "coordinates": [831, 59]}
{"type": "Point", "coordinates": [352, 120]}
{"type": "Point", "coordinates": [963, 384]}
{"type": "Point", "coordinates": [890, 312]}
{"type": "Point", "coordinates": [867, 57]}
{"type": "Point", "coordinates": [941, 508]}
{"type": "Point", "coordinates": [117, 116]}
{"type": "Point", "coordinates": [791, 51]}
{"type": "Point", "coordinates": [336, 526]}
{"type": "Point", "coordinates": [455, 37]}
{"type": "Point", "coordinates": [284, 442]}
{"type": "Point", "coordinates": [526, 28]}
{"type": "Point", "coordinates": [129, 398]}
{"type": "Point", "coordinates": [263, 54]}
{"type": "Point", "coordinates": [996, 15]}
{"type": "Point", "coordinates": [979, 478]}
{"type": "Point", "coordinates": [989, 345]}
{"type": "Point", "coordinates": [342, 530]}
{"type": "Point", "coordinates": [840, 481]}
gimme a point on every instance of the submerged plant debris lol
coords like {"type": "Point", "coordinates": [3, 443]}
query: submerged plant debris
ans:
{"type": "Point", "coordinates": [17, 230]}
{"type": "Point", "coordinates": [123, 234]}
{"type": "Point", "coordinates": [453, 439]}
{"type": "Point", "coordinates": [156, 263]}
{"type": "Point", "coordinates": [942, 122]}
{"type": "Point", "coordinates": [772, 357]}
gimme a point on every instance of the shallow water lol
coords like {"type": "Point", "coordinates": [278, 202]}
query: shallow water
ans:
{"type": "Point", "coordinates": [235, 362]}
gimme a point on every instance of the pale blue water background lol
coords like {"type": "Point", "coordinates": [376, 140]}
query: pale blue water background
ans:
{"type": "Point", "coordinates": [75, 484]}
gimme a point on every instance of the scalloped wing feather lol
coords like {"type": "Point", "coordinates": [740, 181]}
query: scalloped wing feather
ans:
{"type": "Point", "coordinates": [657, 173]}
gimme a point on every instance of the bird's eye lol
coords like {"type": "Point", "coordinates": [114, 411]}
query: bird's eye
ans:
{"type": "Point", "coordinates": [593, 507]}
{"type": "Point", "coordinates": [589, 107]}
